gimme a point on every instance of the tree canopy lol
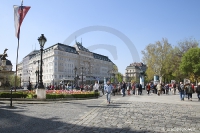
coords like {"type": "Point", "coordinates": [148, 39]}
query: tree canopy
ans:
{"type": "Point", "coordinates": [190, 62]}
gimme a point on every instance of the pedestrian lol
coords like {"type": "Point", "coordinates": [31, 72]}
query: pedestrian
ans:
{"type": "Point", "coordinates": [181, 89]}
{"type": "Point", "coordinates": [96, 89]}
{"type": "Point", "coordinates": [140, 89]}
{"type": "Point", "coordinates": [108, 89]}
{"type": "Point", "coordinates": [133, 88]}
{"type": "Point", "coordinates": [198, 91]}
{"type": "Point", "coordinates": [102, 89]}
{"type": "Point", "coordinates": [174, 88]}
{"type": "Point", "coordinates": [189, 91]}
{"type": "Point", "coordinates": [136, 88]}
{"type": "Point", "coordinates": [167, 89]}
{"type": "Point", "coordinates": [159, 88]}
{"type": "Point", "coordinates": [123, 88]}
{"type": "Point", "coordinates": [128, 88]}
{"type": "Point", "coordinates": [148, 88]}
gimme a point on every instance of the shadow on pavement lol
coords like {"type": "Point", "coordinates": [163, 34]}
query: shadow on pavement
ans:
{"type": "Point", "coordinates": [12, 122]}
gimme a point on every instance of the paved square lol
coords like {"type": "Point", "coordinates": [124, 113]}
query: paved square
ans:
{"type": "Point", "coordinates": [165, 113]}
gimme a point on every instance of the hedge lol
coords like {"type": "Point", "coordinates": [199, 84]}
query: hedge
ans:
{"type": "Point", "coordinates": [14, 95]}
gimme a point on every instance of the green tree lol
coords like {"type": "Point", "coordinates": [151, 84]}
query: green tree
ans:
{"type": "Point", "coordinates": [119, 77]}
{"type": "Point", "coordinates": [177, 54]}
{"type": "Point", "coordinates": [11, 80]}
{"type": "Point", "coordinates": [190, 63]}
{"type": "Point", "coordinates": [156, 56]}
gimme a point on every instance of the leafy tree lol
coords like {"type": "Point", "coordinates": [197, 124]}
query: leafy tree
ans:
{"type": "Point", "coordinates": [119, 77]}
{"type": "Point", "coordinates": [190, 63]}
{"type": "Point", "coordinates": [11, 80]}
{"type": "Point", "coordinates": [177, 54]}
{"type": "Point", "coordinates": [156, 56]}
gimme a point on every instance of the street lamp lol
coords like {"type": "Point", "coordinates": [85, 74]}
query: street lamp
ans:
{"type": "Point", "coordinates": [75, 69]}
{"type": "Point", "coordinates": [42, 40]}
{"type": "Point", "coordinates": [82, 76]}
{"type": "Point", "coordinates": [36, 73]}
{"type": "Point", "coordinates": [29, 80]}
{"type": "Point", "coordinates": [37, 78]}
{"type": "Point", "coordinates": [20, 79]}
{"type": "Point", "coordinates": [53, 79]}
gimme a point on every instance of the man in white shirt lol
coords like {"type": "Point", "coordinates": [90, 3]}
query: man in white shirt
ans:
{"type": "Point", "coordinates": [108, 89]}
{"type": "Point", "coordinates": [96, 89]}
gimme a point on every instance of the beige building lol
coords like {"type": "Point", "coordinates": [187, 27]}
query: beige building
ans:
{"type": "Point", "coordinates": [133, 71]}
{"type": "Point", "coordinates": [59, 62]}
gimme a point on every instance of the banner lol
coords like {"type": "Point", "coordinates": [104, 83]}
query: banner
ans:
{"type": "Point", "coordinates": [19, 15]}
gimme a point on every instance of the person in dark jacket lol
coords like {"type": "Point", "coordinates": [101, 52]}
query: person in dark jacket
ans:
{"type": "Point", "coordinates": [189, 91]}
{"type": "Point", "coordinates": [123, 88]}
{"type": "Point", "coordinates": [140, 89]}
{"type": "Point", "coordinates": [198, 91]}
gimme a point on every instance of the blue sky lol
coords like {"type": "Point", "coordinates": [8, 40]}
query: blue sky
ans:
{"type": "Point", "coordinates": [141, 21]}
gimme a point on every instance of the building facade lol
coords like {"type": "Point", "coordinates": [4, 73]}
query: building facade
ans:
{"type": "Point", "coordinates": [59, 62]}
{"type": "Point", "coordinates": [133, 71]}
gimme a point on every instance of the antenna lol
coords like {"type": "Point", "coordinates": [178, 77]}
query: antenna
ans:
{"type": "Point", "coordinates": [32, 47]}
{"type": "Point", "coordinates": [81, 41]}
{"type": "Point", "coordinates": [75, 39]}
{"type": "Point", "coordinates": [35, 46]}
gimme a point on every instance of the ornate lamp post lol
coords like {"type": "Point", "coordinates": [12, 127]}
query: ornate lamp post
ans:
{"type": "Point", "coordinates": [41, 92]}
{"type": "Point", "coordinates": [29, 80]}
{"type": "Point", "coordinates": [82, 77]}
{"type": "Point", "coordinates": [75, 69]}
{"type": "Point", "coordinates": [36, 73]}
{"type": "Point", "coordinates": [42, 40]}
{"type": "Point", "coordinates": [20, 79]}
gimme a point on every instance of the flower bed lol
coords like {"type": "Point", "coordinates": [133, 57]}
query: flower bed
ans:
{"type": "Point", "coordinates": [50, 94]}
{"type": "Point", "coordinates": [53, 94]}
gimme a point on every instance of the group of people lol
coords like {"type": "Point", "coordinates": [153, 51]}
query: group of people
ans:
{"type": "Point", "coordinates": [184, 90]}
{"type": "Point", "coordinates": [121, 88]}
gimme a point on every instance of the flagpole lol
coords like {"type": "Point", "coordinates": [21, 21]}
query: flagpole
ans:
{"type": "Point", "coordinates": [16, 58]}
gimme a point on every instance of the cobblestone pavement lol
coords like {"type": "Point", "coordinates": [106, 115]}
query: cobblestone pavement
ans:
{"type": "Point", "coordinates": [165, 113]}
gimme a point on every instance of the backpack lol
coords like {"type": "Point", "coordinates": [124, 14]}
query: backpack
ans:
{"type": "Point", "coordinates": [189, 89]}
{"type": "Point", "coordinates": [182, 87]}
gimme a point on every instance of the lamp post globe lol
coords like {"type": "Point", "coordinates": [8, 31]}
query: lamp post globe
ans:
{"type": "Point", "coordinates": [42, 40]}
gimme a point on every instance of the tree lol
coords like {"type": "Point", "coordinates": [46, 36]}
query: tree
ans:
{"type": "Point", "coordinates": [119, 77]}
{"type": "Point", "coordinates": [11, 80]}
{"type": "Point", "coordinates": [156, 56]}
{"type": "Point", "coordinates": [190, 63]}
{"type": "Point", "coordinates": [177, 54]}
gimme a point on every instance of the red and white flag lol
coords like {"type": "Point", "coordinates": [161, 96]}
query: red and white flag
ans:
{"type": "Point", "coordinates": [19, 14]}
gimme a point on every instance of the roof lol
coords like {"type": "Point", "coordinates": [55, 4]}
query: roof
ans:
{"type": "Point", "coordinates": [67, 48]}
{"type": "Point", "coordinates": [70, 49]}
{"type": "Point", "coordinates": [8, 62]}
{"type": "Point", "coordinates": [33, 53]}
{"type": "Point", "coordinates": [101, 57]}
{"type": "Point", "coordinates": [81, 47]}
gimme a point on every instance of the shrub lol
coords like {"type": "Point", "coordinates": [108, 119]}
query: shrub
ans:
{"type": "Point", "coordinates": [14, 95]}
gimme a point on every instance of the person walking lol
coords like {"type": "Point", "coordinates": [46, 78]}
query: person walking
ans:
{"type": "Point", "coordinates": [133, 88]}
{"type": "Point", "coordinates": [189, 91]}
{"type": "Point", "coordinates": [148, 88]}
{"type": "Point", "coordinates": [159, 88]}
{"type": "Point", "coordinates": [108, 89]}
{"type": "Point", "coordinates": [128, 88]}
{"type": "Point", "coordinates": [123, 88]}
{"type": "Point", "coordinates": [96, 89]}
{"type": "Point", "coordinates": [174, 88]}
{"type": "Point", "coordinates": [136, 88]}
{"type": "Point", "coordinates": [198, 91]}
{"type": "Point", "coordinates": [181, 89]}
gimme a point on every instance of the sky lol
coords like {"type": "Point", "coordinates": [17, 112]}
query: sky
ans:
{"type": "Point", "coordinates": [119, 29]}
